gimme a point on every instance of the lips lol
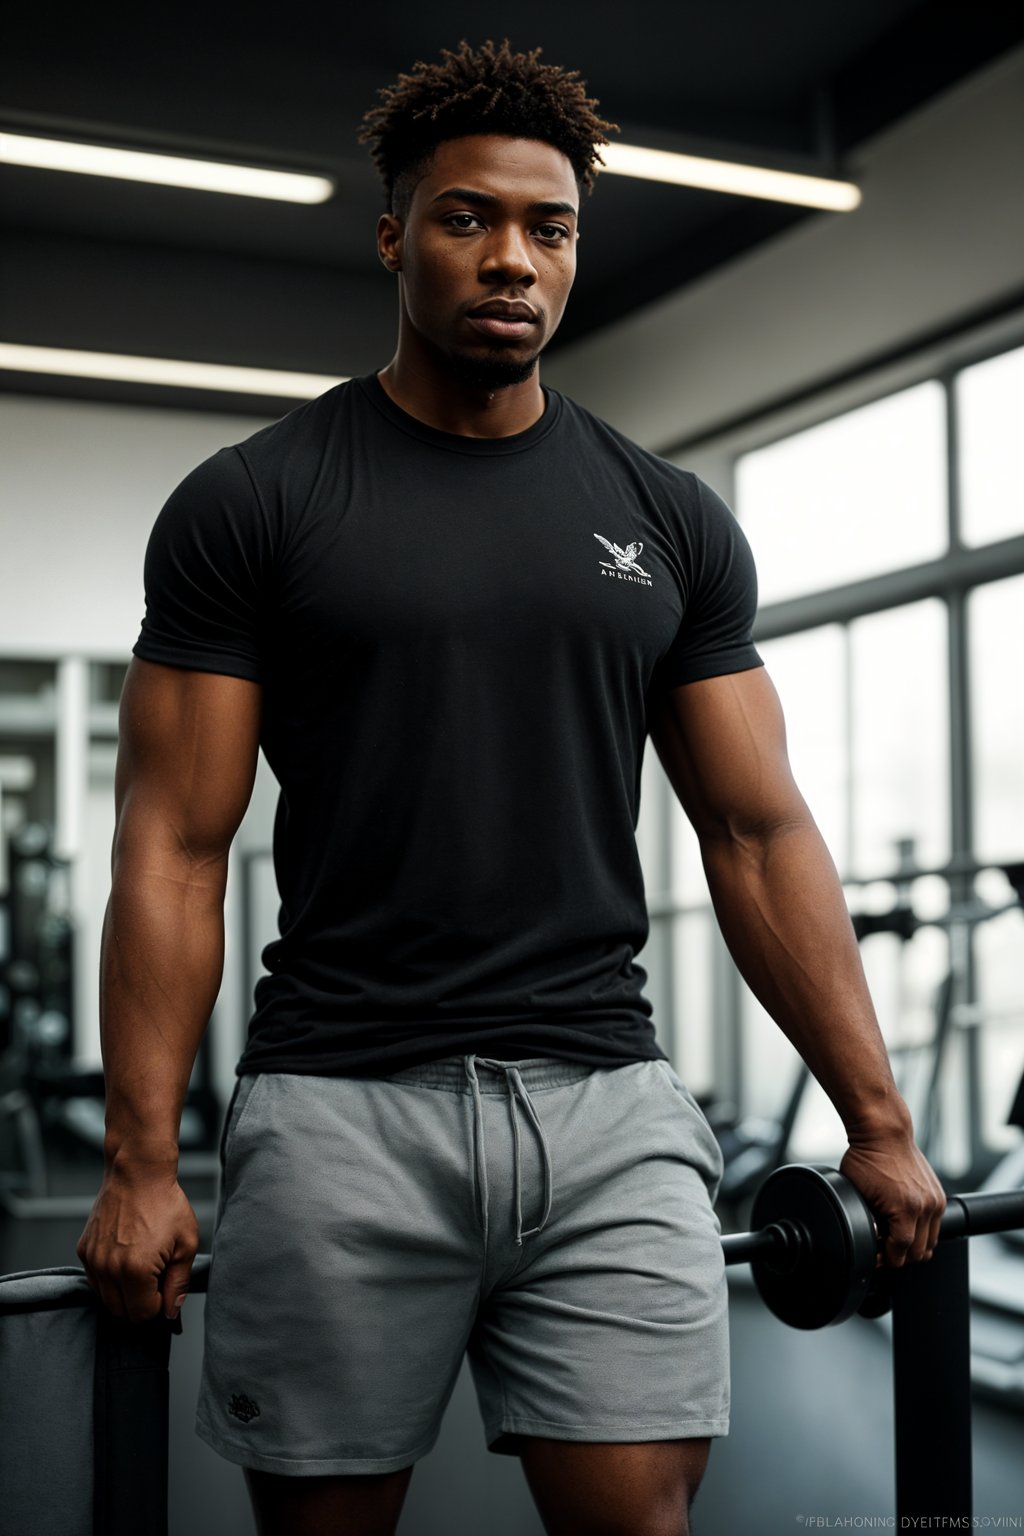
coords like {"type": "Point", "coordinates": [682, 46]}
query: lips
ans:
{"type": "Point", "coordinates": [503, 318]}
{"type": "Point", "coordinates": [503, 309]}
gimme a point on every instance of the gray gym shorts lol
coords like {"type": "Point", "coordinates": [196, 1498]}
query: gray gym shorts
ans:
{"type": "Point", "coordinates": [553, 1219]}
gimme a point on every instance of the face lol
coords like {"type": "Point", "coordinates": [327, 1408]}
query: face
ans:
{"type": "Point", "coordinates": [487, 254]}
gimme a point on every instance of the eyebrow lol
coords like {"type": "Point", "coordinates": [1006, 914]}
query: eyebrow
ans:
{"type": "Point", "coordinates": [487, 200]}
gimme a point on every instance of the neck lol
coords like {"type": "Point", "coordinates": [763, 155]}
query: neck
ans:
{"type": "Point", "coordinates": [435, 394]}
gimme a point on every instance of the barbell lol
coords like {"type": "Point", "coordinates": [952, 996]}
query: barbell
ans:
{"type": "Point", "coordinates": [814, 1253]}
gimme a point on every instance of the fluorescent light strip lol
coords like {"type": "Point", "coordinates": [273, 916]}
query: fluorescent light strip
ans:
{"type": "Point", "coordinates": [726, 176]}
{"type": "Point", "coordinates": [165, 170]}
{"type": "Point", "coordinates": [164, 370]}
{"type": "Point", "coordinates": [295, 187]}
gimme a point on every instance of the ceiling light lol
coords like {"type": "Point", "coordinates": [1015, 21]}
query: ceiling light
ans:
{"type": "Point", "coordinates": [164, 370]}
{"type": "Point", "coordinates": [166, 170]}
{"type": "Point", "coordinates": [727, 176]}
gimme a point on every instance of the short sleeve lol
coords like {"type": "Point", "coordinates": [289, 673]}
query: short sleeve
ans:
{"type": "Point", "coordinates": [715, 635]}
{"type": "Point", "coordinates": [205, 573]}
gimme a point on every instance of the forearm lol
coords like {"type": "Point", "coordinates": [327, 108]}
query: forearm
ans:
{"type": "Point", "coordinates": [161, 963]}
{"type": "Point", "coordinates": [781, 910]}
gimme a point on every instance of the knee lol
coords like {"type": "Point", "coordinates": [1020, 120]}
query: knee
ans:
{"type": "Point", "coordinates": [669, 1518]}
{"type": "Point", "coordinates": [615, 1490]}
{"type": "Point", "coordinates": [677, 1524]}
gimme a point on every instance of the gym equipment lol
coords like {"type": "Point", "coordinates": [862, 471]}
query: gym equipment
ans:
{"type": "Point", "coordinates": [813, 1249]}
{"type": "Point", "coordinates": [815, 1263]}
{"type": "Point", "coordinates": [814, 1252]}
{"type": "Point", "coordinates": [965, 915]}
{"type": "Point", "coordinates": [997, 1298]}
{"type": "Point", "coordinates": [83, 1410]}
{"type": "Point", "coordinates": [751, 1147]}
{"type": "Point", "coordinates": [38, 964]}
{"type": "Point", "coordinates": [1016, 1115]}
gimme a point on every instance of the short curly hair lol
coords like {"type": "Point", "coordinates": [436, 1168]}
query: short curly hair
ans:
{"type": "Point", "coordinates": [485, 90]}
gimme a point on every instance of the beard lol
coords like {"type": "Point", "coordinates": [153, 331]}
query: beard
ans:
{"type": "Point", "coordinates": [493, 372]}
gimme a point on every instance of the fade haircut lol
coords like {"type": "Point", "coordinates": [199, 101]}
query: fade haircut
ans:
{"type": "Point", "coordinates": [485, 90]}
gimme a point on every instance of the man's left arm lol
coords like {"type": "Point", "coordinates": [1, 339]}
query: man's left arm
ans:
{"type": "Point", "coordinates": [780, 906]}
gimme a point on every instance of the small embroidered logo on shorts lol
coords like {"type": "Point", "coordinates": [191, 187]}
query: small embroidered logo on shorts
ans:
{"type": "Point", "coordinates": [243, 1408]}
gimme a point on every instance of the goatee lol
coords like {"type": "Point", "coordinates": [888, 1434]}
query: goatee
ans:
{"type": "Point", "coordinates": [493, 372]}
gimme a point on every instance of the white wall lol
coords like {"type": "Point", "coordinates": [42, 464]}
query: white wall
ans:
{"type": "Point", "coordinates": [81, 485]}
{"type": "Point", "coordinates": [938, 236]}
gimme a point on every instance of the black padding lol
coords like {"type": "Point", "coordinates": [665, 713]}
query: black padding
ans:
{"type": "Point", "coordinates": [47, 1350]}
{"type": "Point", "coordinates": [130, 1417]}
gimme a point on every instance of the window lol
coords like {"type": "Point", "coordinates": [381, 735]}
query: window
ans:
{"type": "Point", "coordinates": [848, 498]}
{"type": "Point", "coordinates": [899, 727]}
{"type": "Point", "coordinates": [809, 673]}
{"type": "Point", "coordinates": [990, 411]}
{"type": "Point", "coordinates": [997, 718]}
{"type": "Point", "coordinates": [904, 703]}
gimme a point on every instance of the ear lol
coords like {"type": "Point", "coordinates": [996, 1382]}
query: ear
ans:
{"type": "Point", "coordinates": [390, 231]}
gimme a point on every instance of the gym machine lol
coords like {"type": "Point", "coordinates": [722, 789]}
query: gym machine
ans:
{"type": "Point", "coordinates": [752, 1147]}
{"type": "Point", "coordinates": [965, 915]}
{"type": "Point", "coordinates": [814, 1254]}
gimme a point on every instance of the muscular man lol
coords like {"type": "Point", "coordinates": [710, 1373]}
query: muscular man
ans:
{"type": "Point", "coordinates": [450, 605]}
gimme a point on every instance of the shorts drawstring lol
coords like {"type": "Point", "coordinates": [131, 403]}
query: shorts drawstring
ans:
{"type": "Point", "coordinates": [517, 1092]}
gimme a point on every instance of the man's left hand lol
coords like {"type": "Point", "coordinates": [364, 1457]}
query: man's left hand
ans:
{"type": "Point", "coordinates": [902, 1190]}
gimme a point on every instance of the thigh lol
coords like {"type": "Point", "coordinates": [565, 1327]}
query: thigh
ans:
{"type": "Point", "coordinates": [614, 1326]}
{"type": "Point", "coordinates": [343, 1280]}
{"type": "Point", "coordinates": [327, 1506]}
{"type": "Point", "coordinates": [590, 1490]}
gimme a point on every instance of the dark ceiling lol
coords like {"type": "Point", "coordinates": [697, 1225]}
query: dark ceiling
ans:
{"type": "Point", "coordinates": [116, 266]}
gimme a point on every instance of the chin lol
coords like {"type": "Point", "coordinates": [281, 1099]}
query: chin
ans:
{"type": "Point", "coordinates": [493, 372]}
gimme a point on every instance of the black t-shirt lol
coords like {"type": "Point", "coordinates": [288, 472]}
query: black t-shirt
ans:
{"type": "Point", "coordinates": [456, 638]}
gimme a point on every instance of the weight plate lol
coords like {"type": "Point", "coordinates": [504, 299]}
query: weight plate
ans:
{"type": "Point", "coordinates": [836, 1258]}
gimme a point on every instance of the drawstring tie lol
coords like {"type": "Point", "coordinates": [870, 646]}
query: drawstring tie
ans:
{"type": "Point", "coordinates": [517, 1093]}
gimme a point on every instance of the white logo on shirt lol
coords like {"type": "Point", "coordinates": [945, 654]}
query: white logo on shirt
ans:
{"type": "Point", "coordinates": [625, 567]}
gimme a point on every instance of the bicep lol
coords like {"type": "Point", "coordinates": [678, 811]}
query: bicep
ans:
{"type": "Point", "coordinates": [722, 743]}
{"type": "Point", "coordinates": [187, 750]}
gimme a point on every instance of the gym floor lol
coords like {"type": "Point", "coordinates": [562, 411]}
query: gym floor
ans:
{"type": "Point", "coordinates": [811, 1438]}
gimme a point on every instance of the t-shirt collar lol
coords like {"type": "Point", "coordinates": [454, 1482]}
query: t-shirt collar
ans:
{"type": "Point", "coordinates": [455, 442]}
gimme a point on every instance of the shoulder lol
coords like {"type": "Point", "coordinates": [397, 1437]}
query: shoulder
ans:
{"type": "Point", "coordinates": [691, 505]}
{"type": "Point", "coordinates": [682, 485]}
{"type": "Point", "coordinates": [298, 440]}
{"type": "Point", "coordinates": [261, 485]}
{"type": "Point", "coordinates": [240, 472]}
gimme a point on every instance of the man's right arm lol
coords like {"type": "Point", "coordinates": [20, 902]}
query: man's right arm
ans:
{"type": "Point", "coordinates": [186, 763]}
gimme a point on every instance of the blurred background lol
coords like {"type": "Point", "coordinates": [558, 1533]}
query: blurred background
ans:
{"type": "Point", "coordinates": [851, 381]}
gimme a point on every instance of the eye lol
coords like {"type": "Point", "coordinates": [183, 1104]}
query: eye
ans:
{"type": "Point", "coordinates": [454, 220]}
{"type": "Point", "coordinates": [553, 232]}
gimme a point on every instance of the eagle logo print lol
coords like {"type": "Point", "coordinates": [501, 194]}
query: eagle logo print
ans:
{"type": "Point", "coordinates": [625, 559]}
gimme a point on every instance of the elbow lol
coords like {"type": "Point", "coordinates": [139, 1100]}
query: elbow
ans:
{"type": "Point", "coordinates": [153, 838]}
{"type": "Point", "coordinates": [754, 837]}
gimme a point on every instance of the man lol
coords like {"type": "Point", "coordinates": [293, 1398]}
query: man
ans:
{"type": "Point", "coordinates": [451, 605]}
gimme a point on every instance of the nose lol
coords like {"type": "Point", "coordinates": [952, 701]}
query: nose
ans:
{"type": "Point", "coordinates": [508, 258]}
